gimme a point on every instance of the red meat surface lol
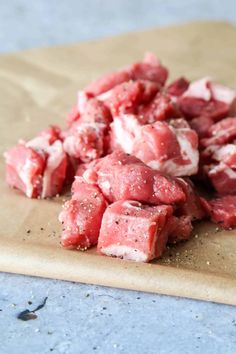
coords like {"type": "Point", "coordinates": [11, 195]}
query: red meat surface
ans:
{"type": "Point", "coordinates": [149, 69]}
{"type": "Point", "coordinates": [223, 211]}
{"type": "Point", "coordinates": [82, 216]}
{"type": "Point", "coordinates": [169, 148]}
{"type": "Point", "coordinates": [96, 112]}
{"type": "Point", "coordinates": [222, 177]}
{"type": "Point", "coordinates": [204, 98]}
{"type": "Point", "coordinates": [226, 154]}
{"type": "Point", "coordinates": [201, 125]}
{"type": "Point", "coordinates": [178, 87]}
{"type": "Point", "coordinates": [108, 82]}
{"type": "Point", "coordinates": [192, 207]}
{"type": "Point", "coordinates": [134, 231]}
{"type": "Point", "coordinates": [126, 97]}
{"type": "Point", "coordinates": [38, 167]}
{"type": "Point", "coordinates": [122, 176]}
{"type": "Point", "coordinates": [180, 228]}
{"type": "Point", "coordinates": [221, 133]}
{"type": "Point", "coordinates": [160, 108]}
{"type": "Point", "coordinates": [85, 141]}
{"type": "Point", "coordinates": [24, 170]}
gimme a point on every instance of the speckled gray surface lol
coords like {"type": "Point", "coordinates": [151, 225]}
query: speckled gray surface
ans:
{"type": "Point", "coordinates": [89, 319]}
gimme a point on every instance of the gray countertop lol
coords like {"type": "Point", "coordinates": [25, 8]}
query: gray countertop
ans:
{"type": "Point", "coordinates": [81, 318]}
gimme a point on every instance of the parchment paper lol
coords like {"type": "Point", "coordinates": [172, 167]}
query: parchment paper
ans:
{"type": "Point", "coordinates": [38, 87]}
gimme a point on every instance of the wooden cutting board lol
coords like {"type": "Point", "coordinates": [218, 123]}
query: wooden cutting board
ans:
{"type": "Point", "coordinates": [38, 87]}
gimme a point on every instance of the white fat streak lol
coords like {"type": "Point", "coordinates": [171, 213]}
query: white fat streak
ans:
{"type": "Point", "coordinates": [224, 152]}
{"type": "Point", "coordinates": [82, 128]}
{"type": "Point", "coordinates": [187, 152]}
{"type": "Point", "coordinates": [105, 185]}
{"type": "Point", "coordinates": [82, 100]}
{"type": "Point", "coordinates": [131, 204]}
{"type": "Point", "coordinates": [56, 155]}
{"type": "Point", "coordinates": [223, 93]}
{"type": "Point", "coordinates": [223, 168]}
{"type": "Point", "coordinates": [199, 89]}
{"type": "Point", "coordinates": [126, 129]}
{"type": "Point", "coordinates": [105, 95]}
{"type": "Point", "coordinates": [125, 252]}
{"type": "Point", "coordinates": [69, 145]}
{"type": "Point", "coordinates": [25, 175]}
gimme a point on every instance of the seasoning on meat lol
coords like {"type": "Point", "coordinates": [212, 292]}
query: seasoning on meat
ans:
{"type": "Point", "coordinates": [135, 149]}
{"type": "Point", "coordinates": [134, 231]}
{"type": "Point", "coordinates": [82, 215]}
{"type": "Point", "coordinates": [123, 176]}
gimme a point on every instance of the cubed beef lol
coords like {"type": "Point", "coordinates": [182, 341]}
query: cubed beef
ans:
{"type": "Point", "coordinates": [223, 211]}
{"type": "Point", "coordinates": [160, 108]}
{"type": "Point", "coordinates": [222, 177]}
{"type": "Point", "coordinates": [221, 133]}
{"type": "Point", "coordinates": [122, 176]}
{"type": "Point", "coordinates": [82, 215]}
{"type": "Point", "coordinates": [38, 167]}
{"type": "Point", "coordinates": [192, 207]}
{"type": "Point", "coordinates": [201, 125]}
{"type": "Point", "coordinates": [126, 97]}
{"type": "Point", "coordinates": [149, 69]}
{"type": "Point", "coordinates": [85, 141]}
{"type": "Point", "coordinates": [108, 82]}
{"type": "Point", "coordinates": [204, 98]}
{"type": "Point", "coordinates": [133, 231]}
{"type": "Point", "coordinates": [178, 87]}
{"type": "Point", "coordinates": [226, 154]}
{"type": "Point", "coordinates": [24, 169]}
{"type": "Point", "coordinates": [168, 148]}
{"type": "Point", "coordinates": [180, 228]}
{"type": "Point", "coordinates": [125, 129]}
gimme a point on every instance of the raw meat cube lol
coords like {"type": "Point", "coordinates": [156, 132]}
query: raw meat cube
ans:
{"type": "Point", "coordinates": [122, 176]}
{"type": "Point", "coordinates": [126, 97]}
{"type": "Point", "coordinates": [85, 141]}
{"type": "Point", "coordinates": [201, 125]}
{"type": "Point", "coordinates": [221, 133]}
{"type": "Point", "coordinates": [82, 216]}
{"type": "Point", "coordinates": [180, 228]}
{"type": "Point", "coordinates": [160, 108]}
{"type": "Point", "coordinates": [125, 128]}
{"type": "Point", "coordinates": [195, 107]}
{"type": "Point", "coordinates": [24, 169]}
{"type": "Point", "coordinates": [192, 207]}
{"type": "Point", "coordinates": [226, 153]}
{"type": "Point", "coordinates": [223, 210]}
{"type": "Point", "coordinates": [134, 231]}
{"type": "Point", "coordinates": [56, 164]}
{"type": "Point", "coordinates": [222, 177]}
{"type": "Point", "coordinates": [89, 110]}
{"type": "Point", "coordinates": [178, 87]}
{"type": "Point", "coordinates": [38, 167]}
{"type": "Point", "coordinates": [96, 112]}
{"type": "Point", "coordinates": [108, 82]}
{"type": "Point", "coordinates": [149, 69]}
{"type": "Point", "coordinates": [204, 98]}
{"type": "Point", "coordinates": [168, 147]}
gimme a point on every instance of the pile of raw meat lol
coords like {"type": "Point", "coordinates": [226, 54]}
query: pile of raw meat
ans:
{"type": "Point", "coordinates": [134, 151]}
